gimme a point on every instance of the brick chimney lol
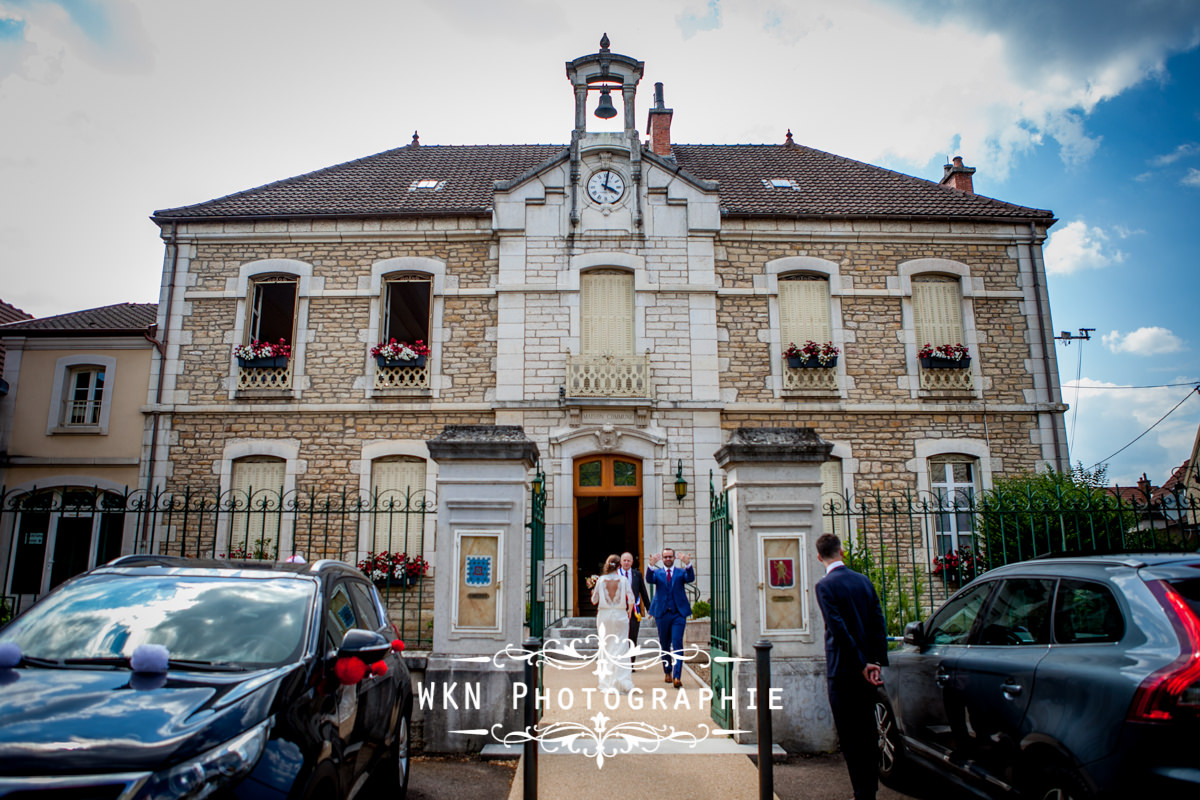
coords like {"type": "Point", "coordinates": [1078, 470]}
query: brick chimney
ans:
{"type": "Point", "coordinates": [959, 177]}
{"type": "Point", "coordinates": [658, 127]}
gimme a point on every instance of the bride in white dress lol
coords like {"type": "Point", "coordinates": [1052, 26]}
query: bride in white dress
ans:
{"type": "Point", "coordinates": [614, 599]}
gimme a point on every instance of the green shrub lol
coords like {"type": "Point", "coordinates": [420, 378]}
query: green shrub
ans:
{"type": "Point", "coordinates": [701, 609]}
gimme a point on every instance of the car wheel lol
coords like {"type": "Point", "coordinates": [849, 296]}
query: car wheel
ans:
{"type": "Point", "coordinates": [393, 770]}
{"type": "Point", "coordinates": [891, 749]}
{"type": "Point", "coordinates": [1059, 783]}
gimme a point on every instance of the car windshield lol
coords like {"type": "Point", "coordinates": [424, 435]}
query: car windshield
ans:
{"type": "Point", "coordinates": [217, 620]}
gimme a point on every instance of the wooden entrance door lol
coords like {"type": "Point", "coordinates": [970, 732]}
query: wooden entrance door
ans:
{"type": "Point", "coordinates": [608, 518]}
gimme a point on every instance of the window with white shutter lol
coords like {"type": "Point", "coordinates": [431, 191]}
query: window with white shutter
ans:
{"type": "Point", "coordinates": [937, 310]}
{"type": "Point", "coordinates": [831, 493]}
{"type": "Point", "coordinates": [398, 486]}
{"type": "Point", "coordinates": [257, 492]}
{"type": "Point", "coordinates": [804, 310]}
{"type": "Point", "coordinates": [606, 313]}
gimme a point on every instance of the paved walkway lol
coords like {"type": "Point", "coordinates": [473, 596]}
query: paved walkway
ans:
{"type": "Point", "coordinates": [702, 766]}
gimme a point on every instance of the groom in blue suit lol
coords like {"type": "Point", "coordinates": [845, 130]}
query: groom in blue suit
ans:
{"type": "Point", "coordinates": [670, 607]}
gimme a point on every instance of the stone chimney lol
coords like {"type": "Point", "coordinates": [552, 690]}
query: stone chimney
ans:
{"type": "Point", "coordinates": [658, 127]}
{"type": "Point", "coordinates": [959, 177]}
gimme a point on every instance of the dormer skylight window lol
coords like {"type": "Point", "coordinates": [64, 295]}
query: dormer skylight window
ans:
{"type": "Point", "coordinates": [426, 185]}
{"type": "Point", "coordinates": [781, 183]}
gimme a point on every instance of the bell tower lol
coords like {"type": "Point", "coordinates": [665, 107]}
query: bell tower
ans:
{"type": "Point", "coordinates": [608, 75]}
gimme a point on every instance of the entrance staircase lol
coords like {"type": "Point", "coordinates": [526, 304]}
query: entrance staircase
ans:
{"type": "Point", "coordinates": [576, 630]}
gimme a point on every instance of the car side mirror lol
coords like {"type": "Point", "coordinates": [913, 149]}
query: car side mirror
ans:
{"type": "Point", "coordinates": [368, 646]}
{"type": "Point", "coordinates": [914, 633]}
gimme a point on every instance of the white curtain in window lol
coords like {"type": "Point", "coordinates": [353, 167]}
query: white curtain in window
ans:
{"type": "Point", "coordinates": [937, 310]}
{"type": "Point", "coordinates": [804, 310]}
{"type": "Point", "coordinates": [606, 313]}
{"type": "Point", "coordinates": [257, 488]}
{"type": "Point", "coordinates": [398, 483]}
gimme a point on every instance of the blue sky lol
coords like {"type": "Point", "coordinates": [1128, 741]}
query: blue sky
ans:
{"type": "Point", "coordinates": [110, 109]}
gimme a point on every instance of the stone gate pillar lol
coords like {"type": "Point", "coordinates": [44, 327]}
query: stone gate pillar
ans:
{"type": "Point", "coordinates": [774, 481]}
{"type": "Point", "coordinates": [479, 606]}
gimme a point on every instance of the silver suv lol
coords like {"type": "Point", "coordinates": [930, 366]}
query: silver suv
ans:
{"type": "Point", "coordinates": [1066, 677]}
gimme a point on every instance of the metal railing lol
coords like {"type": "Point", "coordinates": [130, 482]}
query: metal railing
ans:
{"type": "Point", "coordinates": [555, 607]}
{"type": "Point", "coordinates": [50, 535]}
{"type": "Point", "coordinates": [918, 549]}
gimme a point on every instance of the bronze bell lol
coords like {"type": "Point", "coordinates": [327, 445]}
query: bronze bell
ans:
{"type": "Point", "coordinates": [605, 109]}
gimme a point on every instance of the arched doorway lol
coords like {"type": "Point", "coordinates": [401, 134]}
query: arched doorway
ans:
{"type": "Point", "coordinates": [608, 517]}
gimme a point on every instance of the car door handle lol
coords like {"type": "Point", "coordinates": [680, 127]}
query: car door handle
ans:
{"type": "Point", "coordinates": [1011, 688]}
{"type": "Point", "coordinates": [941, 678]}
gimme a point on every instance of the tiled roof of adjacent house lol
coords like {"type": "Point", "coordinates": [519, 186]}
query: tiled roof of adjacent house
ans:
{"type": "Point", "coordinates": [119, 318]}
{"type": "Point", "coordinates": [10, 313]}
{"type": "Point", "coordinates": [461, 181]}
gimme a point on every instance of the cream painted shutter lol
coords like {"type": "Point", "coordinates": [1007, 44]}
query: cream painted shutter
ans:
{"type": "Point", "coordinates": [831, 490]}
{"type": "Point", "coordinates": [399, 482]}
{"type": "Point", "coordinates": [804, 311]}
{"type": "Point", "coordinates": [264, 477]}
{"type": "Point", "coordinates": [606, 313]}
{"type": "Point", "coordinates": [937, 311]}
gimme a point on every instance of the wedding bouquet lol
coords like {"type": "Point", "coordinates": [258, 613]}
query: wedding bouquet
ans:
{"type": "Point", "coordinates": [591, 581]}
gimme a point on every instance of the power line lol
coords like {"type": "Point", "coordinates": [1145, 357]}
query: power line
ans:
{"type": "Point", "coordinates": [1195, 390]}
{"type": "Point", "coordinates": [1152, 386]}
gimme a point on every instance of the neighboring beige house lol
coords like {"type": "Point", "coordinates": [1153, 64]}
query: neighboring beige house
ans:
{"type": "Point", "coordinates": [71, 439]}
{"type": "Point", "coordinates": [627, 302]}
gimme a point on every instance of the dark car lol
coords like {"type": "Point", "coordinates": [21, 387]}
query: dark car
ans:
{"type": "Point", "coordinates": [171, 678]}
{"type": "Point", "coordinates": [1054, 678]}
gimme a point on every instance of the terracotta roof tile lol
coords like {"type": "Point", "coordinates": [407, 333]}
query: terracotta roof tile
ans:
{"type": "Point", "coordinates": [382, 185]}
{"type": "Point", "coordinates": [122, 317]}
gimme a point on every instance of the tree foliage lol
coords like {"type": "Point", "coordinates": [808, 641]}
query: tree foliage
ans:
{"type": "Point", "coordinates": [1036, 513]}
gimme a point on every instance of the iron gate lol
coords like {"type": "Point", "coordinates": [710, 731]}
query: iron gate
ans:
{"type": "Point", "coordinates": [721, 641]}
{"type": "Point", "coordinates": [537, 557]}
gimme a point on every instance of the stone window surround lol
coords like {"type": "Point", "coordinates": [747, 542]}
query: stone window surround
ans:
{"type": "Point", "coordinates": [246, 275]}
{"type": "Point", "coordinates": [286, 449]}
{"type": "Point", "coordinates": [805, 265]}
{"type": "Point", "coordinates": [374, 287]}
{"type": "Point", "coordinates": [843, 453]}
{"type": "Point", "coordinates": [570, 282]}
{"type": "Point", "coordinates": [55, 419]}
{"type": "Point", "coordinates": [926, 449]}
{"type": "Point", "coordinates": [968, 286]}
{"type": "Point", "coordinates": [371, 451]}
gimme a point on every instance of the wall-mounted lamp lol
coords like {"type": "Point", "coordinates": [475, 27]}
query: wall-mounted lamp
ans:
{"type": "Point", "coordinates": [539, 479]}
{"type": "Point", "coordinates": [680, 483]}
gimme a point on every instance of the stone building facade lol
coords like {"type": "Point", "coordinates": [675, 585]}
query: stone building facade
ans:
{"type": "Point", "coordinates": [627, 302]}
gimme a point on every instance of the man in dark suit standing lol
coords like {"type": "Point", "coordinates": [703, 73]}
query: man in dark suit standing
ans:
{"type": "Point", "coordinates": [855, 649]}
{"type": "Point", "coordinates": [670, 607]}
{"type": "Point", "coordinates": [641, 600]}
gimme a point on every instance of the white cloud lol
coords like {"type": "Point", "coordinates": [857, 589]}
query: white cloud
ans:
{"type": "Point", "coordinates": [1182, 151]}
{"type": "Point", "coordinates": [1079, 246]}
{"type": "Point", "coordinates": [1191, 178]}
{"type": "Point", "coordinates": [124, 107]}
{"type": "Point", "coordinates": [1144, 341]}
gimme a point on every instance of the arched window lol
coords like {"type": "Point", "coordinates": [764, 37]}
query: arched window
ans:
{"type": "Point", "coordinates": [937, 310]}
{"type": "Point", "coordinates": [398, 493]}
{"type": "Point", "coordinates": [606, 312]}
{"type": "Point", "coordinates": [256, 500]}
{"type": "Point", "coordinates": [953, 479]}
{"type": "Point", "coordinates": [804, 309]}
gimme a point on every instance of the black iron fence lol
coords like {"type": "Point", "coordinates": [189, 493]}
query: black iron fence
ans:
{"type": "Point", "coordinates": [48, 536]}
{"type": "Point", "coordinates": [918, 549]}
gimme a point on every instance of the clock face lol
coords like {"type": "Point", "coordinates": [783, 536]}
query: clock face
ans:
{"type": "Point", "coordinates": [606, 186]}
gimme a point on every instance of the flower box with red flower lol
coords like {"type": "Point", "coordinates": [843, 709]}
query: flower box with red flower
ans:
{"type": "Point", "coordinates": [944, 356]}
{"type": "Point", "coordinates": [400, 354]}
{"type": "Point", "coordinates": [812, 355]}
{"type": "Point", "coordinates": [263, 355]}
